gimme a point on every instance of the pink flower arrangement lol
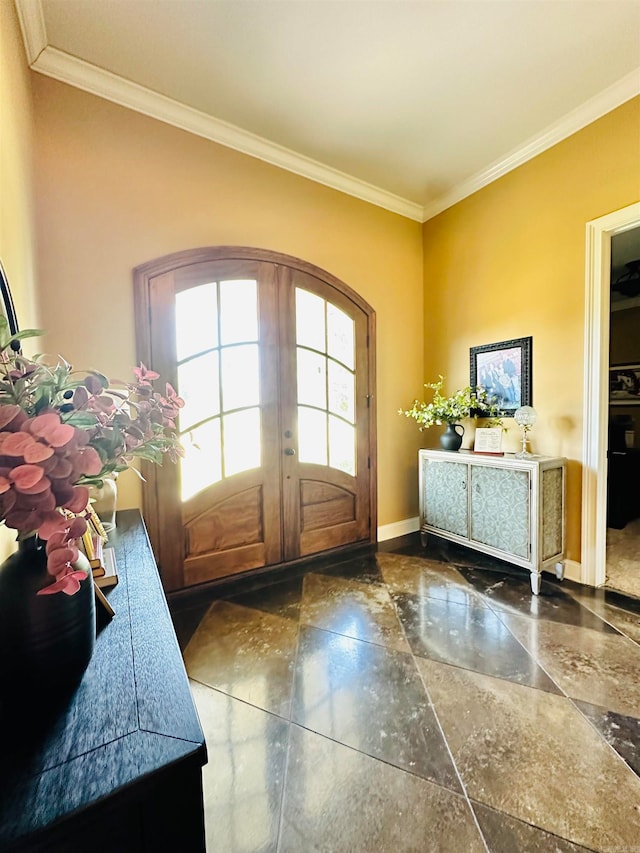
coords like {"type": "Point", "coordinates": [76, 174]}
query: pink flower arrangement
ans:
{"type": "Point", "coordinates": [61, 432]}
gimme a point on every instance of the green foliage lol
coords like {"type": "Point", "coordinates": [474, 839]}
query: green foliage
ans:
{"type": "Point", "coordinates": [465, 403]}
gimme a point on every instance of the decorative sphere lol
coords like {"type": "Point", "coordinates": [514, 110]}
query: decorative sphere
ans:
{"type": "Point", "coordinates": [525, 416]}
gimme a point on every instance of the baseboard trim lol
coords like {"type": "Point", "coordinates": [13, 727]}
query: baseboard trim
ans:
{"type": "Point", "coordinates": [573, 571]}
{"type": "Point", "coordinates": [398, 528]}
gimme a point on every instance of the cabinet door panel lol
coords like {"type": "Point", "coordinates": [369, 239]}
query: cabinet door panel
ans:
{"type": "Point", "coordinates": [552, 513]}
{"type": "Point", "coordinates": [501, 508]}
{"type": "Point", "coordinates": [445, 496]}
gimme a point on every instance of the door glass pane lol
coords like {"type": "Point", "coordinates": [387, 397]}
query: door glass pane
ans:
{"type": "Point", "coordinates": [198, 385]}
{"type": "Point", "coordinates": [312, 378]}
{"type": "Point", "coordinates": [312, 436]}
{"type": "Point", "coordinates": [241, 441]}
{"type": "Point", "coordinates": [340, 335]}
{"type": "Point", "coordinates": [196, 320]}
{"type": "Point", "coordinates": [310, 328]}
{"type": "Point", "coordinates": [240, 377]}
{"type": "Point", "coordinates": [238, 311]}
{"type": "Point", "coordinates": [341, 391]}
{"type": "Point", "coordinates": [202, 463]}
{"type": "Point", "coordinates": [342, 453]}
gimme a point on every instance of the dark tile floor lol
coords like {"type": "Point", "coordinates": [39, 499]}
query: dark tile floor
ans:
{"type": "Point", "coordinates": [417, 700]}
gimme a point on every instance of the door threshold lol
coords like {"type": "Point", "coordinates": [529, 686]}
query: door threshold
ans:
{"type": "Point", "coordinates": [264, 576]}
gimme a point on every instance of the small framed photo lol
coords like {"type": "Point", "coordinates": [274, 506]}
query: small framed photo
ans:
{"type": "Point", "coordinates": [488, 440]}
{"type": "Point", "coordinates": [504, 371]}
{"type": "Point", "coordinates": [624, 385]}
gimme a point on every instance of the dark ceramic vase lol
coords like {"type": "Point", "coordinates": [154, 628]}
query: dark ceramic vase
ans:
{"type": "Point", "coordinates": [46, 641]}
{"type": "Point", "coordinates": [451, 439]}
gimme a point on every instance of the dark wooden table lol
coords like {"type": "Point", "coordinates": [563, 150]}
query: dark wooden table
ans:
{"type": "Point", "coordinates": [118, 767]}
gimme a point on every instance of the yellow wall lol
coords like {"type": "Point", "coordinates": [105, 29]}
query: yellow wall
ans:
{"type": "Point", "coordinates": [116, 189]}
{"type": "Point", "coordinates": [509, 261]}
{"type": "Point", "coordinates": [17, 251]}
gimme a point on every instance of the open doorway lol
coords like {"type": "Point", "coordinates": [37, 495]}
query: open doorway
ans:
{"type": "Point", "coordinates": [623, 475]}
{"type": "Point", "coordinates": [599, 234]}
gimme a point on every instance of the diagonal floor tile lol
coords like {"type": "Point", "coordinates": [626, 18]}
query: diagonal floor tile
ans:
{"type": "Point", "coordinates": [363, 569]}
{"type": "Point", "coordinates": [505, 834]}
{"type": "Point", "coordinates": [246, 653]}
{"type": "Point", "coordinates": [363, 611]}
{"type": "Point", "coordinates": [426, 579]}
{"type": "Point", "coordinates": [472, 637]}
{"type": "Point", "coordinates": [243, 781]}
{"type": "Point", "coordinates": [280, 599]}
{"type": "Point", "coordinates": [338, 800]}
{"type": "Point", "coordinates": [511, 593]}
{"type": "Point", "coordinates": [623, 733]}
{"type": "Point", "coordinates": [186, 620]}
{"type": "Point", "coordinates": [532, 755]}
{"type": "Point", "coordinates": [371, 699]}
{"type": "Point", "coordinates": [597, 667]}
{"type": "Point", "coordinates": [626, 621]}
{"type": "Point", "coordinates": [459, 555]}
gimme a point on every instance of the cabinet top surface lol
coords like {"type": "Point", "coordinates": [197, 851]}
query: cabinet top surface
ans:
{"type": "Point", "coordinates": [490, 458]}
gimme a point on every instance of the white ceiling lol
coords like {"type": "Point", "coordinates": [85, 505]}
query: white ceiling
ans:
{"type": "Point", "coordinates": [410, 104]}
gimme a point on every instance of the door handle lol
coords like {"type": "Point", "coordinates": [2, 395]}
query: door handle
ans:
{"type": "Point", "coordinates": [289, 451]}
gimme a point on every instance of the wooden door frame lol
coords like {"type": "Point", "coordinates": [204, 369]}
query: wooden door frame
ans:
{"type": "Point", "coordinates": [142, 277]}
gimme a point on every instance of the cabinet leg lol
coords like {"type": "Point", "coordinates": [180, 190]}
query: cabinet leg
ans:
{"type": "Point", "coordinates": [424, 538]}
{"type": "Point", "coordinates": [559, 567]}
{"type": "Point", "coordinates": [536, 580]}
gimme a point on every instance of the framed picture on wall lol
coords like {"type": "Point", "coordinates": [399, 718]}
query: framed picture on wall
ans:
{"type": "Point", "coordinates": [624, 385]}
{"type": "Point", "coordinates": [504, 371]}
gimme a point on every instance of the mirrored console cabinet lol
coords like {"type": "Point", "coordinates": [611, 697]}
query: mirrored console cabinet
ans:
{"type": "Point", "coordinates": [510, 508]}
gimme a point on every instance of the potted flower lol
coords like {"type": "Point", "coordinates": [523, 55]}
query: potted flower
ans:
{"type": "Point", "coordinates": [464, 403]}
{"type": "Point", "coordinates": [62, 431]}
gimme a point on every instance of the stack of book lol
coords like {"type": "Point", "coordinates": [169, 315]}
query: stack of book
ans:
{"type": "Point", "coordinates": [101, 559]}
{"type": "Point", "coordinates": [104, 572]}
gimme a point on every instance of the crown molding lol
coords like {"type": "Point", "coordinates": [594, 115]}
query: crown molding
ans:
{"type": "Point", "coordinates": [34, 32]}
{"type": "Point", "coordinates": [620, 92]}
{"type": "Point", "coordinates": [76, 72]}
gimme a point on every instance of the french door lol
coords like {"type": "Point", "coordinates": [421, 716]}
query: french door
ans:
{"type": "Point", "coordinates": [274, 359]}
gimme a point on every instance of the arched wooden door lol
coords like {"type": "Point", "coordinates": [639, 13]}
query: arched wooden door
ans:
{"type": "Point", "coordinates": [275, 360]}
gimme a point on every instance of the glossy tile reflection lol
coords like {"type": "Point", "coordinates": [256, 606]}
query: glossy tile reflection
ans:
{"type": "Point", "coordinates": [506, 592]}
{"type": "Point", "coordinates": [623, 733]}
{"type": "Point", "coordinates": [505, 834]}
{"type": "Point", "coordinates": [244, 777]}
{"type": "Point", "coordinates": [519, 750]}
{"type": "Point", "coordinates": [624, 620]}
{"type": "Point", "coordinates": [280, 599]}
{"type": "Point", "coordinates": [426, 579]}
{"type": "Point", "coordinates": [590, 665]}
{"type": "Point", "coordinates": [371, 699]}
{"type": "Point", "coordinates": [342, 801]}
{"type": "Point", "coordinates": [416, 701]}
{"type": "Point", "coordinates": [469, 636]}
{"type": "Point", "coordinates": [246, 653]}
{"type": "Point", "coordinates": [363, 611]}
